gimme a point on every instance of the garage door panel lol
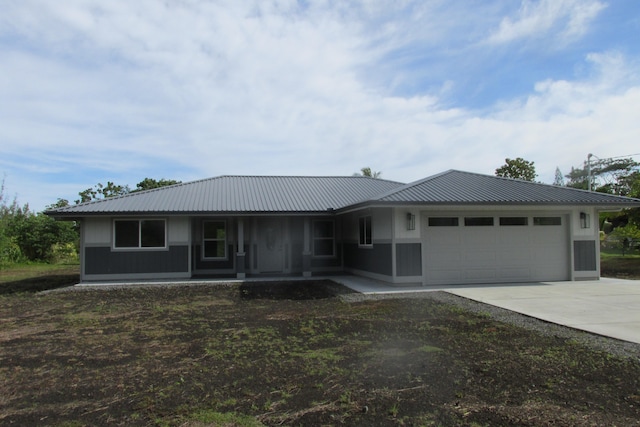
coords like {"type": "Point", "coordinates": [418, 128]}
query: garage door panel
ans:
{"type": "Point", "coordinates": [477, 275]}
{"type": "Point", "coordinates": [499, 253]}
{"type": "Point", "coordinates": [445, 256]}
{"type": "Point", "coordinates": [548, 236]}
{"type": "Point", "coordinates": [514, 256]}
{"type": "Point", "coordinates": [479, 259]}
{"type": "Point", "coordinates": [447, 236]}
{"type": "Point", "coordinates": [515, 274]}
{"type": "Point", "coordinates": [513, 236]}
{"type": "Point", "coordinates": [478, 236]}
{"type": "Point", "coordinates": [437, 277]}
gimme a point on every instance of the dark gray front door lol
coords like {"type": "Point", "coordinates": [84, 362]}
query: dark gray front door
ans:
{"type": "Point", "coordinates": [270, 245]}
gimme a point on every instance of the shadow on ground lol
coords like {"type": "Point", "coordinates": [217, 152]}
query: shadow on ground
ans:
{"type": "Point", "coordinates": [295, 290]}
{"type": "Point", "coordinates": [39, 284]}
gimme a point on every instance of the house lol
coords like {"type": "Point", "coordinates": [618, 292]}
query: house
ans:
{"type": "Point", "coordinates": [451, 228]}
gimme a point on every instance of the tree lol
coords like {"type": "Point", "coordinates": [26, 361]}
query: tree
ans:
{"type": "Point", "coordinates": [38, 235]}
{"type": "Point", "coordinates": [100, 191]}
{"type": "Point", "coordinates": [559, 179]}
{"type": "Point", "coordinates": [609, 175]}
{"type": "Point", "coordinates": [150, 183]}
{"type": "Point", "coordinates": [517, 169]}
{"type": "Point", "coordinates": [9, 250]}
{"type": "Point", "coordinates": [626, 238]}
{"type": "Point", "coordinates": [366, 171]}
{"type": "Point", "coordinates": [25, 235]}
{"type": "Point", "coordinates": [619, 176]}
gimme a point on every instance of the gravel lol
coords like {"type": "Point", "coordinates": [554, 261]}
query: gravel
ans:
{"type": "Point", "coordinates": [612, 346]}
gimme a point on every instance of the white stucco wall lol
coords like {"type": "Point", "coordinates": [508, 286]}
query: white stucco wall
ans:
{"type": "Point", "coordinates": [400, 224]}
{"type": "Point", "coordinates": [97, 231]}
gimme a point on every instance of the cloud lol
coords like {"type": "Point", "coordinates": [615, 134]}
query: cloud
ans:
{"type": "Point", "coordinates": [561, 21]}
{"type": "Point", "coordinates": [121, 90]}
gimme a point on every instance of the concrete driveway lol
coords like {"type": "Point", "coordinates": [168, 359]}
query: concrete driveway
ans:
{"type": "Point", "coordinates": [609, 307]}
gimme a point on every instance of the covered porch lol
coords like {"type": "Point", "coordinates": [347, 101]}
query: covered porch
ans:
{"type": "Point", "coordinates": [245, 246]}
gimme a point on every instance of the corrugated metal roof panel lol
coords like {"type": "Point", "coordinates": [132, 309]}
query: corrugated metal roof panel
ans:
{"type": "Point", "coordinates": [241, 194]}
{"type": "Point", "coordinates": [286, 194]}
{"type": "Point", "coordinates": [457, 187]}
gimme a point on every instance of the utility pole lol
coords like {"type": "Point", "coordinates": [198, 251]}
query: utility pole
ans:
{"type": "Point", "coordinates": [589, 171]}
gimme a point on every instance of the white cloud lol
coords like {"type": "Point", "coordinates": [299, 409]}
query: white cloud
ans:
{"type": "Point", "coordinates": [560, 20]}
{"type": "Point", "coordinates": [122, 90]}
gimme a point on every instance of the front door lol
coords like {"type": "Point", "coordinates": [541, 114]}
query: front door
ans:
{"type": "Point", "coordinates": [270, 245]}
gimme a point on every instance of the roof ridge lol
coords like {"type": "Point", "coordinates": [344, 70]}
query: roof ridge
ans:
{"type": "Point", "coordinates": [410, 184]}
{"type": "Point", "coordinates": [544, 184]}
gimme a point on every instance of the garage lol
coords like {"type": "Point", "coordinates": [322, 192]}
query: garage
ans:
{"type": "Point", "coordinates": [495, 248]}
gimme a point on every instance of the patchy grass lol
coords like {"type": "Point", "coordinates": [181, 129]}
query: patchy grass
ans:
{"type": "Point", "coordinates": [204, 356]}
{"type": "Point", "coordinates": [37, 277]}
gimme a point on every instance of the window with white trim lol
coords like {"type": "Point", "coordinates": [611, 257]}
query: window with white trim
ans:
{"type": "Point", "coordinates": [139, 233]}
{"type": "Point", "coordinates": [478, 221]}
{"type": "Point", "coordinates": [214, 239]}
{"type": "Point", "coordinates": [364, 227]}
{"type": "Point", "coordinates": [323, 238]}
{"type": "Point", "coordinates": [547, 220]}
{"type": "Point", "coordinates": [443, 221]}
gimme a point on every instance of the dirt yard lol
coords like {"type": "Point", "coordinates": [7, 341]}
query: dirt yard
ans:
{"type": "Point", "coordinates": [296, 355]}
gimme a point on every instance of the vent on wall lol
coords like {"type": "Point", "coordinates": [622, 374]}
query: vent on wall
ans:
{"type": "Point", "coordinates": [584, 253]}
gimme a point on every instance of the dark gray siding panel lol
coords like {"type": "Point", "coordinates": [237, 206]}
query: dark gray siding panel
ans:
{"type": "Point", "coordinates": [101, 260]}
{"type": "Point", "coordinates": [409, 259]}
{"type": "Point", "coordinates": [584, 255]}
{"type": "Point", "coordinates": [376, 259]}
{"type": "Point", "coordinates": [296, 256]}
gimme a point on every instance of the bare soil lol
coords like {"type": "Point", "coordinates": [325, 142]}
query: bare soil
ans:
{"type": "Point", "coordinates": [264, 354]}
{"type": "Point", "coordinates": [621, 267]}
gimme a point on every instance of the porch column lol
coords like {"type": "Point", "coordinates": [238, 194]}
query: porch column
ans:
{"type": "Point", "coordinates": [240, 255]}
{"type": "Point", "coordinates": [306, 251]}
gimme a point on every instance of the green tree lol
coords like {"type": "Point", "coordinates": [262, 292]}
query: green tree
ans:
{"type": "Point", "coordinates": [366, 171]}
{"type": "Point", "coordinates": [38, 235]}
{"type": "Point", "coordinates": [559, 179]}
{"type": "Point", "coordinates": [9, 250]}
{"type": "Point", "coordinates": [626, 238]}
{"type": "Point", "coordinates": [613, 176]}
{"type": "Point", "coordinates": [150, 183]}
{"type": "Point", "coordinates": [518, 168]}
{"type": "Point", "coordinates": [100, 191]}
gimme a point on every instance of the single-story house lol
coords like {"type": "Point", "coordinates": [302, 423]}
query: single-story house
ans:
{"type": "Point", "coordinates": [452, 228]}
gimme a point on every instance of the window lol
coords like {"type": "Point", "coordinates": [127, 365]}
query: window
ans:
{"type": "Point", "coordinates": [365, 231]}
{"type": "Point", "coordinates": [323, 238]}
{"type": "Point", "coordinates": [547, 220]}
{"type": "Point", "coordinates": [214, 239]}
{"type": "Point", "coordinates": [443, 222]}
{"type": "Point", "coordinates": [143, 233]}
{"type": "Point", "coordinates": [514, 220]}
{"type": "Point", "coordinates": [478, 221]}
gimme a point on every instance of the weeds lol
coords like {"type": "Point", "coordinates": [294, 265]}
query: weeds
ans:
{"type": "Point", "coordinates": [198, 357]}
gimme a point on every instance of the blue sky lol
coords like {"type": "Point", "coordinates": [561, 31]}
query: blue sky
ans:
{"type": "Point", "coordinates": [95, 91]}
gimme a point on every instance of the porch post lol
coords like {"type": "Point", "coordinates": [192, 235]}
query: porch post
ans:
{"type": "Point", "coordinates": [306, 251]}
{"type": "Point", "coordinates": [240, 255]}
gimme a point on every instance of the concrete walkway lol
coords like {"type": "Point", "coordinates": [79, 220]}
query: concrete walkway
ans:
{"type": "Point", "coordinates": [609, 307]}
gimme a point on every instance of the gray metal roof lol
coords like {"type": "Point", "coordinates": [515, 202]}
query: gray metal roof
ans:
{"type": "Point", "coordinates": [458, 187]}
{"type": "Point", "coordinates": [240, 194]}
{"type": "Point", "coordinates": [289, 194]}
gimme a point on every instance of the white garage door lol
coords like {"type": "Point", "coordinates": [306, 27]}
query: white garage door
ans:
{"type": "Point", "coordinates": [495, 248]}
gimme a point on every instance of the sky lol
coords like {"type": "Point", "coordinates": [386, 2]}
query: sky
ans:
{"type": "Point", "coordinates": [93, 91]}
